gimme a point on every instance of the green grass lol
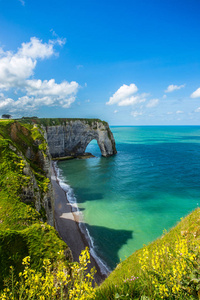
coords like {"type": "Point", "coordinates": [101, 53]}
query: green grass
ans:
{"type": "Point", "coordinates": [148, 281]}
{"type": "Point", "coordinates": [22, 230]}
{"type": "Point", "coordinates": [39, 241]}
{"type": "Point", "coordinates": [57, 121]}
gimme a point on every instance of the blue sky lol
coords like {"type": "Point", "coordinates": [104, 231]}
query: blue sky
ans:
{"type": "Point", "coordinates": [126, 62]}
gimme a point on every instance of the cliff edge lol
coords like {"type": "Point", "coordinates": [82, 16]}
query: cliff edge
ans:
{"type": "Point", "coordinates": [26, 194]}
{"type": "Point", "coordinates": [70, 137]}
{"type": "Point", "coordinates": [26, 199]}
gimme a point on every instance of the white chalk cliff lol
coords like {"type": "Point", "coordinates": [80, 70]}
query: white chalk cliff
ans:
{"type": "Point", "coordinates": [71, 137]}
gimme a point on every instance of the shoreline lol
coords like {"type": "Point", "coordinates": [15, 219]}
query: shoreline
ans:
{"type": "Point", "coordinates": [67, 224]}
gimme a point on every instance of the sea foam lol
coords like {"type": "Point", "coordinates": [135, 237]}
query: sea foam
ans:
{"type": "Point", "coordinates": [105, 270]}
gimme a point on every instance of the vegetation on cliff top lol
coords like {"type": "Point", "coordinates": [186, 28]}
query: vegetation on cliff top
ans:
{"type": "Point", "coordinates": [57, 121]}
{"type": "Point", "coordinates": [22, 231]}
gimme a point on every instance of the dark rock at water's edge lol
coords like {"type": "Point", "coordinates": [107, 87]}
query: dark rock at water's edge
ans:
{"type": "Point", "coordinates": [83, 156]}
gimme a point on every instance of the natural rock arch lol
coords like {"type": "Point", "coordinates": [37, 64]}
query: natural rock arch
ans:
{"type": "Point", "coordinates": [92, 143]}
{"type": "Point", "coordinates": [72, 137]}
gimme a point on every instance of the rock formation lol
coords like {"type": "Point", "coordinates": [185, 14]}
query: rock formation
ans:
{"type": "Point", "coordinates": [40, 139]}
{"type": "Point", "coordinates": [36, 167]}
{"type": "Point", "coordinates": [71, 137]}
{"type": "Point", "coordinates": [26, 194]}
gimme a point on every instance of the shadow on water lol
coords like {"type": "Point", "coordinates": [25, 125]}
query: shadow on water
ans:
{"type": "Point", "coordinates": [85, 194]}
{"type": "Point", "coordinates": [109, 241]}
{"type": "Point", "coordinates": [106, 240]}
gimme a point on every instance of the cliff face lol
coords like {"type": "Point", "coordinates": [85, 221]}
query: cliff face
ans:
{"type": "Point", "coordinates": [33, 141]}
{"type": "Point", "coordinates": [36, 159]}
{"type": "Point", "coordinates": [26, 199]}
{"type": "Point", "coordinates": [26, 195]}
{"type": "Point", "coordinates": [71, 137]}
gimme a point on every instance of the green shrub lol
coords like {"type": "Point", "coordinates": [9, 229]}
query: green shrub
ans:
{"type": "Point", "coordinates": [52, 281]}
{"type": "Point", "coordinates": [21, 231]}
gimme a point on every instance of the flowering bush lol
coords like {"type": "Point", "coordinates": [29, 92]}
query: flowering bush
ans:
{"type": "Point", "coordinates": [167, 272]}
{"type": "Point", "coordinates": [58, 281]}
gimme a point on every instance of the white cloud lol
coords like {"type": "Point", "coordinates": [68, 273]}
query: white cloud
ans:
{"type": "Point", "coordinates": [164, 96]}
{"type": "Point", "coordinates": [197, 110]}
{"type": "Point", "coordinates": [195, 94]}
{"type": "Point", "coordinates": [115, 111]}
{"type": "Point", "coordinates": [16, 70]}
{"type": "Point", "coordinates": [173, 87]}
{"type": "Point", "coordinates": [51, 93]}
{"type": "Point", "coordinates": [23, 104]}
{"type": "Point", "coordinates": [122, 94]}
{"type": "Point", "coordinates": [59, 41]}
{"type": "Point", "coordinates": [135, 114]}
{"type": "Point", "coordinates": [179, 112]}
{"type": "Point", "coordinates": [131, 101]}
{"type": "Point", "coordinates": [43, 93]}
{"type": "Point", "coordinates": [36, 49]}
{"type": "Point", "coordinates": [5, 103]}
{"type": "Point", "coordinates": [53, 32]}
{"type": "Point", "coordinates": [26, 103]}
{"type": "Point", "coordinates": [51, 88]}
{"type": "Point", "coordinates": [169, 113]}
{"type": "Point", "coordinates": [152, 103]}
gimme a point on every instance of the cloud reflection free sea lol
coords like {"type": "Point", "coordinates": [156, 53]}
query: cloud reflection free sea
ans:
{"type": "Point", "coordinates": [129, 199]}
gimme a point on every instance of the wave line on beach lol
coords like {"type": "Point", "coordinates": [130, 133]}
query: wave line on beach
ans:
{"type": "Point", "coordinates": [105, 270]}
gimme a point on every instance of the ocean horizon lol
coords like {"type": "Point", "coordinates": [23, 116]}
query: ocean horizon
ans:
{"type": "Point", "coordinates": [127, 200]}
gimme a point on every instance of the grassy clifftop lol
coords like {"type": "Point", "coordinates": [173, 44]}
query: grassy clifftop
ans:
{"type": "Point", "coordinates": [23, 181]}
{"type": "Point", "coordinates": [57, 121]}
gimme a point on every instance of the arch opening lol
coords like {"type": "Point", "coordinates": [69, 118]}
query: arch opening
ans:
{"type": "Point", "coordinates": [93, 148]}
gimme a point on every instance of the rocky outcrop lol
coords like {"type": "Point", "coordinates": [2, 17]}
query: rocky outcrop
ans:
{"type": "Point", "coordinates": [36, 168]}
{"type": "Point", "coordinates": [71, 137]}
{"type": "Point", "coordinates": [36, 140]}
{"type": "Point", "coordinates": [42, 196]}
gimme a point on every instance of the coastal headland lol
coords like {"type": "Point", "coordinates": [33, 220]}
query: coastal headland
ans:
{"type": "Point", "coordinates": [70, 137]}
{"type": "Point", "coordinates": [27, 148]}
{"type": "Point", "coordinates": [33, 204]}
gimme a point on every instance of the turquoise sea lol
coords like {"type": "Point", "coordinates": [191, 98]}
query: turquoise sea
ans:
{"type": "Point", "coordinates": [129, 199]}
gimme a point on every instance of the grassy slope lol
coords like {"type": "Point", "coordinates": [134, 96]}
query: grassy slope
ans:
{"type": "Point", "coordinates": [22, 232]}
{"type": "Point", "coordinates": [188, 229]}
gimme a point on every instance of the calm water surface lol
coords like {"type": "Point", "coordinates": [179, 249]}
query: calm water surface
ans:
{"type": "Point", "coordinates": [129, 199]}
